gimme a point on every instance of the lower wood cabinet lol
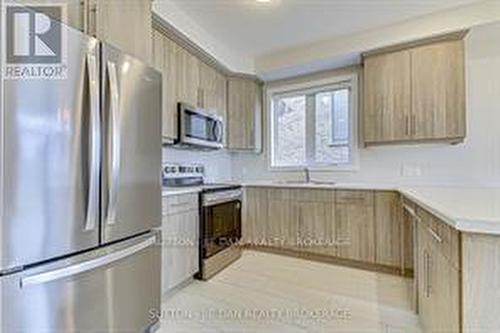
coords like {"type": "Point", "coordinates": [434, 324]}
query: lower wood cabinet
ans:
{"type": "Point", "coordinates": [357, 225]}
{"type": "Point", "coordinates": [317, 227]}
{"type": "Point", "coordinates": [437, 279]}
{"type": "Point", "coordinates": [254, 216]}
{"type": "Point", "coordinates": [282, 227]}
{"type": "Point", "coordinates": [180, 234]}
{"type": "Point", "coordinates": [389, 228]}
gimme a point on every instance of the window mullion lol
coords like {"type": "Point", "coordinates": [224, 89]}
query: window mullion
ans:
{"type": "Point", "coordinates": [310, 128]}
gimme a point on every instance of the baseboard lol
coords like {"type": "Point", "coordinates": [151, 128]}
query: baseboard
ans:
{"type": "Point", "coordinates": [332, 260]}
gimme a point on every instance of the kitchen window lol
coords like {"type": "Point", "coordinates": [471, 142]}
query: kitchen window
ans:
{"type": "Point", "coordinates": [314, 127]}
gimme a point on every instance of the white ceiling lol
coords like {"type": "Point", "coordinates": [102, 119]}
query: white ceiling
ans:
{"type": "Point", "coordinates": [257, 29]}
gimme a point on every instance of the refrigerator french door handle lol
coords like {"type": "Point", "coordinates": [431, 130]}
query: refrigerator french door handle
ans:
{"type": "Point", "coordinates": [114, 151]}
{"type": "Point", "coordinates": [93, 192]}
{"type": "Point", "coordinates": [86, 266]}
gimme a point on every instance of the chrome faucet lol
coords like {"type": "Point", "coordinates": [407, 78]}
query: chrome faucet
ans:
{"type": "Point", "coordinates": [307, 174]}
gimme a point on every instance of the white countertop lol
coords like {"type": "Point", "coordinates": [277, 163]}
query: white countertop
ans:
{"type": "Point", "coordinates": [467, 209]}
{"type": "Point", "coordinates": [325, 185]}
{"type": "Point", "coordinates": [166, 192]}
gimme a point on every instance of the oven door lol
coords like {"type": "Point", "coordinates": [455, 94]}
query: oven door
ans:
{"type": "Point", "coordinates": [222, 227]}
{"type": "Point", "coordinates": [200, 128]}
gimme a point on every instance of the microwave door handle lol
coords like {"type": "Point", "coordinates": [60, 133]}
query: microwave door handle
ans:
{"type": "Point", "coordinates": [218, 132]}
{"type": "Point", "coordinates": [95, 146]}
{"type": "Point", "coordinates": [114, 150]}
{"type": "Point", "coordinates": [85, 266]}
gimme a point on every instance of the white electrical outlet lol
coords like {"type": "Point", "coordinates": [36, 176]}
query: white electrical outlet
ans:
{"type": "Point", "coordinates": [410, 170]}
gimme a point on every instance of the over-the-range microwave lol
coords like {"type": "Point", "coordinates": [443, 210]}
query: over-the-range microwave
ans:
{"type": "Point", "coordinates": [199, 128]}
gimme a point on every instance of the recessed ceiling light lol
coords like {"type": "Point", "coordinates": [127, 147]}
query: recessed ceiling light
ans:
{"type": "Point", "coordinates": [263, 0]}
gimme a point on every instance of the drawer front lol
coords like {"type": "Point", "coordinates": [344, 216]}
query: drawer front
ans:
{"type": "Point", "coordinates": [179, 203]}
{"type": "Point", "coordinates": [354, 197]}
{"type": "Point", "coordinates": [445, 238]}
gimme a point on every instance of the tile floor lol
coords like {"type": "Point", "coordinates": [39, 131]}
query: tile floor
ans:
{"type": "Point", "coordinates": [269, 293]}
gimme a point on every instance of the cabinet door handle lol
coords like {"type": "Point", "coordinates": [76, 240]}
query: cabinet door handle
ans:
{"type": "Point", "coordinates": [413, 125]}
{"type": "Point", "coordinates": [427, 274]}
{"type": "Point", "coordinates": [407, 125]}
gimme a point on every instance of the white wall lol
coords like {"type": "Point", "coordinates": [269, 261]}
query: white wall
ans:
{"type": "Point", "coordinates": [235, 61]}
{"type": "Point", "coordinates": [325, 54]}
{"type": "Point", "coordinates": [476, 162]}
{"type": "Point", "coordinates": [217, 163]}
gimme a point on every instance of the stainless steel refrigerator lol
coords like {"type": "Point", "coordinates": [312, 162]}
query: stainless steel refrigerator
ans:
{"type": "Point", "coordinates": [80, 192]}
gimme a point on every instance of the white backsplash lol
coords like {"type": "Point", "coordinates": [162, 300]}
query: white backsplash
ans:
{"type": "Point", "coordinates": [475, 162]}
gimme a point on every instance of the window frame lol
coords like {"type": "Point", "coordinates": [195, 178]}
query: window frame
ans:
{"type": "Point", "coordinates": [315, 86]}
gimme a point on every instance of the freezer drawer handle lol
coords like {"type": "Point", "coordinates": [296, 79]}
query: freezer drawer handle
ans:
{"type": "Point", "coordinates": [93, 191]}
{"type": "Point", "coordinates": [85, 266]}
{"type": "Point", "coordinates": [115, 149]}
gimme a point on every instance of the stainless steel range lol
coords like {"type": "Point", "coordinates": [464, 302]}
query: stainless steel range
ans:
{"type": "Point", "coordinates": [220, 216]}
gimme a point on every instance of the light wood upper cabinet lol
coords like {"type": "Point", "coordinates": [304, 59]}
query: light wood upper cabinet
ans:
{"type": "Point", "coordinates": [206, 88]}
{"type": "Point", "coordinates": [387, 97]}
{"type": "Point", "coordinates": [438, 91]}
{"type": "Point", "coordinates": [187, 77]}
{"type": "Point", "coordinates": [164, 60]}
{"type": "Point", "coordinates": [415, 94]}
{"type": "Point", "coordinates": [244, 111]}
{"type": "Point", "coordinates": [220, 98]}
{"type": "Point", "coordinates": [212, 90]}
{"type": "Point", "coordinates": [125, 24]}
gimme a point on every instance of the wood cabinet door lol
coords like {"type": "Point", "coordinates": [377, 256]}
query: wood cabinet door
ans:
{"type": "Point", "coordinates": [187, 77]}
{"type": "Point", "coordinates": [164, 57]}
{"type": "Point", "coordinates": [316, 224]}
{"type": "Point", "coordinates": [180, 258]}
{"type": "Point", "coordinates": [409, 236]}
{"type": "Point", "coordinates": [221, 94]}
{"type": "Point", "coordinates": [355, 225]}
{"type": "Point", "coordinates": [282, 223]}
{"type": "Point", "coordinates": [388, 229]}
{"type": "Point", "coordinates": [387, 101]}
{"type": "Point", "coordinates": [236, 114]}
{"type": "Point", "coordinates": [438, 91]}
{"type": "Point", "coordinates": [255, 216]}
{"type": "Point", "coordinates": [446, 298]}
{"type": "Point", "coordinates": [423, 275]}
{"type": "Point", "coordinates": [127, 25]}
{"type": "Point", "coordinates": [169, 88]}
{"type": "Point", "coordinates": [243, 105]}
{"type": "Point", "coordinates": [206, 94]}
